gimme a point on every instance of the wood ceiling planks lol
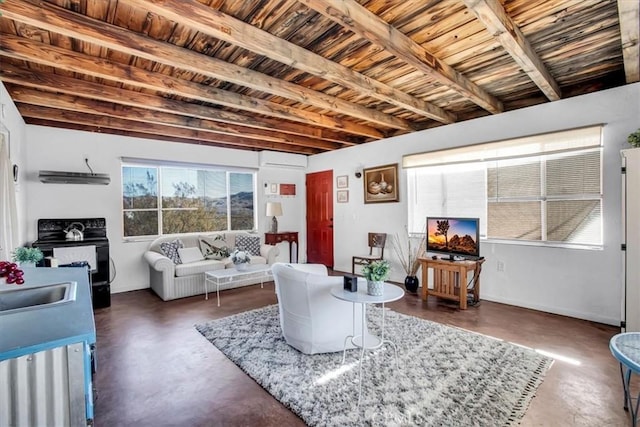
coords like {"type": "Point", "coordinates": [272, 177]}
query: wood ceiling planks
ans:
{"type": "Point", "coordinates": [304, 76]}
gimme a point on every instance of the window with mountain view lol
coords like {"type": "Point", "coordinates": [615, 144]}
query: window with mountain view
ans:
{"type": "Point", "coordinates": [163, 199]}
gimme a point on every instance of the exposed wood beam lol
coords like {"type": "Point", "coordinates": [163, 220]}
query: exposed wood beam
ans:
{"type": "Point", "coordinates": [139, 106]}
{"type": "Point", "coordinates": [111, 131]}
{"type": "Point", "coordinates": [224, 27]}
{"type": "Point", "coordinates": [629, 13]}
{"type": "Point", "coordinates": [367, 25]}
{"type": "Point", "coordinates": [83, 105]}
{"type": "Point", "coordinates": [53, 56]}
{"type": "Point", "coordinates": [63, 116]}
{"type": "Point", "coordinates": [501, 26]}
{"type": "Point", "coordinates": [58, 20]}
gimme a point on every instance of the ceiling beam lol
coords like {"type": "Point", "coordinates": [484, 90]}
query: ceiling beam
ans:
{"type": "Point", "coordinates": [629, 13]}
{"type": "Point", "coordinates": [492, 14]}
{"type": "Point", "coordinates": [367, 25]}
{"type": "Point", "coordinates": [58, 20]}
{"type": "Point", "coordinates": [227, 28]}
{"type": "Point", "coordinates": [57, 57]}
{"type": "Point", "coordinates": [105, 122]}
{"type": "Point", "coordinates": [101, 108]}
{"type": "Point", "coordinates": [140, 134]}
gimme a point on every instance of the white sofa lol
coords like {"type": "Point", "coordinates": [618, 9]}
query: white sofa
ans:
{"type": "Point", "coordinates": [172, 281]}
{"type": "Point", "coordinates": [312, 320]}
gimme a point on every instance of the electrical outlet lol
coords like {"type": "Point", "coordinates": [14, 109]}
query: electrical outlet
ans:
{"type": "Point", "coordinates": [501, 266]}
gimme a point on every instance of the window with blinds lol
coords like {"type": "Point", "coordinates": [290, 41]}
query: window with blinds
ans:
{"type": "Point", "coordinates": [553, 195]}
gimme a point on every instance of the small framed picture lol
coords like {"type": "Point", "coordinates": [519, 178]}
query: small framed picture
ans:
{"type": "Point", "coordinates": [343, 196]}
{"type": "Point", "coordinates": [342, 181]}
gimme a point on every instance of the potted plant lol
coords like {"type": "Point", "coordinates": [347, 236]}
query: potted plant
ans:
{"type": "Point", "coordinates": [634, 139]}
{"type": "Point", "coordinates": [27, 257]}
{"type": "Point", "coordinates": [240, 259]}
{"type": "Point", "coordinates": [376, 272]}
{"type": "Point", "coordinates": [409, 249]}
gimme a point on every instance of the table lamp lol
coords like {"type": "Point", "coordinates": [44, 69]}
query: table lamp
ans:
{"type": "Point", "coordinates": [274, 209]}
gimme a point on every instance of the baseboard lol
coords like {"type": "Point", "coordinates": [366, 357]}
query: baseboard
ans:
{"type": "Point", "coordinates": [129, 289]}
{"type": "Point", "coordinates": [555, 310]}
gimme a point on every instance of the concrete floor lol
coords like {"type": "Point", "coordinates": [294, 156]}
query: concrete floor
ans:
{"type": "Point", "coordinates": [155, 369]}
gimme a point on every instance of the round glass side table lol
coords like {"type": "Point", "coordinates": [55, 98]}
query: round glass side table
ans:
{"type": "Point", "coordinates": [625, 347]}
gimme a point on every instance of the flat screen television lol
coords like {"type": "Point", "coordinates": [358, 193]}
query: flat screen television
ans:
{"type": "Point", "coordinates": [454, 237]}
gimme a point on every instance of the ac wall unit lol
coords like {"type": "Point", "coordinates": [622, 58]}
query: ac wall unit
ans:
{"type": "Point", "coordinates": [61, 177]}
{"type": "Point", "coordinates": [282, 160]}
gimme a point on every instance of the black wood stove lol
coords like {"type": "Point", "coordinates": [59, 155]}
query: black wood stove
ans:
{"type": "Point", "coordinates": [52, 234]}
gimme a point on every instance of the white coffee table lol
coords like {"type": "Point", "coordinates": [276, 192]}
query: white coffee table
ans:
{"type": "Point", "coordinates": [231, 275]}
{"type": "Point", "coordinates": [366, 341]}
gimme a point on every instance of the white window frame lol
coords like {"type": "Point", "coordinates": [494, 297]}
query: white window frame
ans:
{"type": "Point", "coordinates": [545, 146]}
{"type": "Point", "coordinates": [159, 165]}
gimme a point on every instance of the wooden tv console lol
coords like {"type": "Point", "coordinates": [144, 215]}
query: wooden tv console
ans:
{"type": "Point", "coordinates": [450, 279]}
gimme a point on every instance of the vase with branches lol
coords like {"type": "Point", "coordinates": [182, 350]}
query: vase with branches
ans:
{"type": "Point", "coordinates": [409, 249]}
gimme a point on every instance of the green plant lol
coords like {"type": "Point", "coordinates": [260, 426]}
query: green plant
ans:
{"type": "Point", "coordinates": [377, 271]}
{"type": "Point", "coordinates": [634, 139]}
{"type": "Point", "coordinates": [27, 255]}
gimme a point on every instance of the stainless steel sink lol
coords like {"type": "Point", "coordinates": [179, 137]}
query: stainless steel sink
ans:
{"type": "Point", "coordinates": [14, 300]}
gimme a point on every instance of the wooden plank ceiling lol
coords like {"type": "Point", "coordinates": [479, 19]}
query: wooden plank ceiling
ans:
{"type": "Point", "coordinates": [304, 76]}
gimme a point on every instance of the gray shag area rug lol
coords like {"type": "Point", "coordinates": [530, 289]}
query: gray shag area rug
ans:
{"type": "Point", "coordinates": [445, 376]}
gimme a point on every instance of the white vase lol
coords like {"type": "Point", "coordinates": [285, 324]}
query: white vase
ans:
{"type": "Point", "coordinates": [242, 266]}
{"type": "Point", "coordinates": [26, 264]}
{"type": "Point", "coordinates": [375, 288]}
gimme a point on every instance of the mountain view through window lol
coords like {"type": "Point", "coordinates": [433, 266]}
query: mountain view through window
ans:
{"type": "Point", "coordinates": [172, 200]}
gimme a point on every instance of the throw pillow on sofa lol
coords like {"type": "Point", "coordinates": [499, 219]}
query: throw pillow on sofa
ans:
{"type": "Point", "coordinates": [214, 248]}
{"type": "Point", "coordinates": [188, 255]}
{"type": "Point", "coordinates": [249, 244]}
{"type": "Point", "coordinates": [170, 250]}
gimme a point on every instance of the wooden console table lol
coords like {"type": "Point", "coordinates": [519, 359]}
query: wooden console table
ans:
{"type": "Point", "coordinates": [450, 279]}
{"type": "Point", "coordinates": [284, 236]}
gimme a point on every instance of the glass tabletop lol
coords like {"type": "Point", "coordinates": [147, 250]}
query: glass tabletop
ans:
{"type": "Point", "coordinates": [232, 272]}
{"type": "Point", "coordinates": [626, 348]}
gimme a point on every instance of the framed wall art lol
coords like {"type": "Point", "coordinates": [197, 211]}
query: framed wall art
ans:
{"type": "Point", "coordinates": [343, 196]}
{"type": "Point", "coordinates": [381, 184]}
{"type": "Point", "coordinates": [342, 181]}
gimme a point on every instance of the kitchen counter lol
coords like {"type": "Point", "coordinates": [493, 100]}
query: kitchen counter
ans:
{"type": "Point", "coordinates": [35, 330]}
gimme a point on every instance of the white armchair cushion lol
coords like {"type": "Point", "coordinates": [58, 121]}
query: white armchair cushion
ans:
{"type": "Point", "coordinates": [312, 320]}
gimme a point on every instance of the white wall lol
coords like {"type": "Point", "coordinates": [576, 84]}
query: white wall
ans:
{"type": "Point", "coordinates": [292, 218]}
{"type": "Point", "coordinates": [580, 283]}
{"type": "Point", "coordinates": [12, 121]}
{"type": "Point", "coordinates": [62, 149]}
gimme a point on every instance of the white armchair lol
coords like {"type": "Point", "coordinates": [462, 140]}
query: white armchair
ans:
{"type": "Point", "coordinates": [312, 320]}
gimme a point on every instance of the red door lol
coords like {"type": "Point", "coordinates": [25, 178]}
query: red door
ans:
{"type": "Point", "coordinates": [320, 218]}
